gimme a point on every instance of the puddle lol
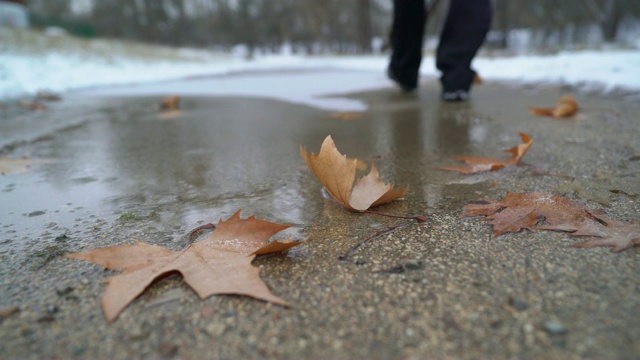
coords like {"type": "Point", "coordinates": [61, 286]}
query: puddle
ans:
{"type": "Point", "coordinates": [221, 155]}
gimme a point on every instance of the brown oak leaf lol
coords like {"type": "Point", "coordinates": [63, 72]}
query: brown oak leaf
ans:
{"type": "Point", "coordinates": [565, 106]}
{"type": "Point", "coordinates": [170, 103]}
{"type": "Point", "coordinates": [18, 166]}
{"type": "Point", "coordinates": [481, 164]}
{"type": "Point", "coordinates": [618, 235]}
{"type": "Point", "coordinates": [220, 264]}
{"type": "Point", "coordinates": [532, 211]}
{"type": "Point", "coordinates": [337, 173]}
{"type": "Point", "coordinates": [350, 115]}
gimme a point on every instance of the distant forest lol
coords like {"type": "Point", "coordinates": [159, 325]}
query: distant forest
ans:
{"type": "Point", "coordinates": [325, 26]}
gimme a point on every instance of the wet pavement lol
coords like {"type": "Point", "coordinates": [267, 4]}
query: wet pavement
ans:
{"type": "Point", "coordinates": [444, 288]}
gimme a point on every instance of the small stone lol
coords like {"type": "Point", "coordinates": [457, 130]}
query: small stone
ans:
{"type": "Point", "coordinates": [167, 349]}
{"type": "Point", "coordinates": [360, 262]}
{"type": "Point", "coordinates": [555, 328]}
{"type": "Point", "coordinates": [413, 264]}
{"type": "Point", "coordinates": [518, 304]}
{"type": "Point", "coordinates": [138, 332]}
{"type": "Point", "coordinates": [61, 238]}
{"type": "Point", "coordinates": [215, 329]}
{"type": "Point", "coordinates": [64, 290]}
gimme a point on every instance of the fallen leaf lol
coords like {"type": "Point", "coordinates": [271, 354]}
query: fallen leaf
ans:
{"type": "Point", "coordinates": [618, 235]}
{"type": "Point", "coordinates": [220, 264]}
{"type": "Point", "coordinates": [533, 211]}
{"type": "Point", "coordinates": [47, 96]}
{"type": "Point", "coordinates": [4, 312]}
{"type": "Point", "coordinates": [565, 107]}
{"type": "Point", "coordinates": [170, 108]}
{"type": "Point", "coordinates": [34, 106]}
{"type": "Point", "coordinates": [601, 190]}
{"type": "Point", "coordinates": [481, 164]}
{"type": "Point", "coordinates": [18, 166]}
{"type": "Point", "coordinates": [353, 115]}
{"type": "Point", "coordinates": [337, 173]}
{"type": "Point", "coordinates": [170, 103]}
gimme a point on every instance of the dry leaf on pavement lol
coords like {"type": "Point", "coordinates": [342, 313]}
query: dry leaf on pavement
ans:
{"type": "Point", "coordinates": [482, 164]}
{"type": "Point", "coordinates": [220, 264]}
{"type": "Point", "coordinates": [170, 103]}
{"type": "Point", "coordinates": [538, 211]}
{"type": "Point", "coordinates": [337, 173]}
{"type": "Point", "coordinates": [618, 235]}
{"type": "Point", "coordinates": [532, 211]}
{"type": "Point", "coordinates": [565, 106]}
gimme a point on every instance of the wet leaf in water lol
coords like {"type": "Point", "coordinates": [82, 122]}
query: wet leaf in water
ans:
{"type": "Point", "coordinates": [565, 106]}
{"type": "Point", "coordinates": [220, 264]}
{"type": "Point", "coordinates": [34, 106]}
{"type": "Point", "coordinates": [481, 164]}
{"type": "Point", "coordinates": [18, 166]}
{"type": "Point", "coordinates": [352, 115]}
{"type": "Point", "coordinates": [47, 96]}
{"type": "Point", "coordinates": [337, 173]}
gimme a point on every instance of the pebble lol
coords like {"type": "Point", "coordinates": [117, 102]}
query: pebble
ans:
{"type": "Point", "coordinates": [413, 264]}
{"type": "Point", "coordinates": [555, 328]}
{"type": "Point", "coordinates": [215, 329]}
{"type": "Point", "coordinates": [138, 332]}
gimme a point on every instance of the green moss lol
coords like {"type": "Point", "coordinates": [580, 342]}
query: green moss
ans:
{"type": "Point", "coordinates": [42, 257]}
{"type": "Point", "coordinates": [128, 216]}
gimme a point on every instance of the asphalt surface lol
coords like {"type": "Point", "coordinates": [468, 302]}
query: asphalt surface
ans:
{"type": "Point", "coordinates": [445, 288]}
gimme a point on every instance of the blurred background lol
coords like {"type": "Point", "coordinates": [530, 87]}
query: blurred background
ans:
{"type": "Point", "coordinates": [322, 27]}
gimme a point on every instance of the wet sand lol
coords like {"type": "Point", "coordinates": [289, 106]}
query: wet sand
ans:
{"type": "Point", "coordinates": [444, 288]}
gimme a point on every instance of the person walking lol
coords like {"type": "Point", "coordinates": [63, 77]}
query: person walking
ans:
{"type": "Point", "coordinates": [464, 31]}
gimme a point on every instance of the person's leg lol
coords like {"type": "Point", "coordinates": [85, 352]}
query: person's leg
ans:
{"type": "Point", "coordinates": [464, 31]}
{"type": "Point", "coordinates": [407, 33]}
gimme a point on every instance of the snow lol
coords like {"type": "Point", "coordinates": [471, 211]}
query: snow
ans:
{"type": "Point", "coordinates": [299, 79]}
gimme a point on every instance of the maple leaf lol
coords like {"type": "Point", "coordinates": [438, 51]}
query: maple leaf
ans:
{"type": "Point", "coordinates": [220, 264]}
{"type": "Point", "coordinates": [518, 211]}
{"type": "Point", "coordinates": [18, 166]}
{"type": "Point", "coordinates": [47, 96]}
{"type": "Point", "coordinates": [618, 235]}
{"type": "Point", "coordinates": [337, 174]}
{"type": "Point", "coordinates": [565, 107]}
{"type": "Point", "coordinates": [481, 164]}
{"type": "Point", "coordinates": [170, 103]}
{"type": "Point", "coordinates": [35, 106]}
{"type": "Point", "coordinates": [600, 190]}
{"type": "Point", "coordinates": [170, 107]}
{"type": "Point", "coordinates": [350, 115]}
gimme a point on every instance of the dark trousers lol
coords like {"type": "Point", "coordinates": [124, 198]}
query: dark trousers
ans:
{"type": "Point", "coordinates": [464, 31]}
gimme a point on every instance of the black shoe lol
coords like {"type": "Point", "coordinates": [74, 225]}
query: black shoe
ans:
{"type": "Point", "coordinates": [456, 95]}
{"type": "Point", "coordinates": [406, 86]}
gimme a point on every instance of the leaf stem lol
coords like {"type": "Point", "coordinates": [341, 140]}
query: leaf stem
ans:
{"type": "Point", "coordinates": [418, 218]}
{"type": "Point", "coordinates": [195, 233]}
{"type": "Point", "coordinates": [377, 233]}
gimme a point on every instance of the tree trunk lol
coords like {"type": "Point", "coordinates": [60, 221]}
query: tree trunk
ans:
{"type": "Point", "coordinates": [364, 25]}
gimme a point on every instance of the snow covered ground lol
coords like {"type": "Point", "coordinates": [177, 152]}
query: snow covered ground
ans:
{"type": "Point", "coordinates": [59, 70]}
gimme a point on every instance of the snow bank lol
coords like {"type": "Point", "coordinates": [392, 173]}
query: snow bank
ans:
{"type": "Point", "coordinates": [23, 73]}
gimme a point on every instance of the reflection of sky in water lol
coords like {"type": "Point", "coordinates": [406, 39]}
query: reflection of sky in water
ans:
{"type": "Point", "coordinates": [309, 88]}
